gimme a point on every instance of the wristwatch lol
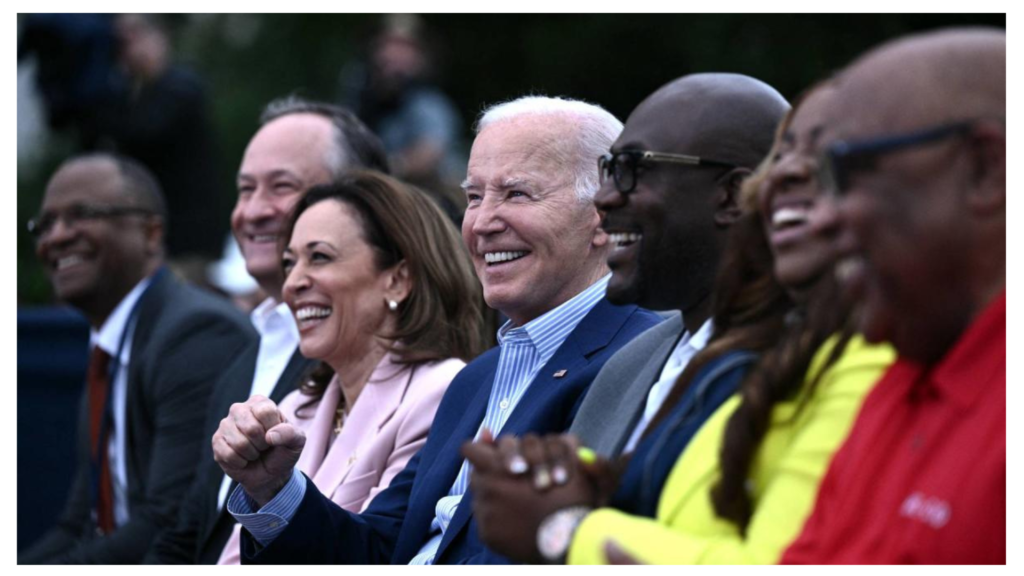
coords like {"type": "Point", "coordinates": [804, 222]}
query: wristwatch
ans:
{"type": "Point", "coordinates": [556, 531]}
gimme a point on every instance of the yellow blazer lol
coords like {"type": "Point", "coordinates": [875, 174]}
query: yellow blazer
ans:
{"type": "Point", "coordinates": [784, 478]}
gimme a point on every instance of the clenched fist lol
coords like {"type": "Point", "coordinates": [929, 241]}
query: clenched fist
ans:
{"type": "Point", "coordinates": [257, 448]}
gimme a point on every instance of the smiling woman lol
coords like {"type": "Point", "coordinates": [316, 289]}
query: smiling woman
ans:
{"type": "Point", "coordinates": [384, 295]}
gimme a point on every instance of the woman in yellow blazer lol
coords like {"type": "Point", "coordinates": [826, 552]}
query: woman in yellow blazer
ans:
{"type": "Point", "coordinates": [783, 478]}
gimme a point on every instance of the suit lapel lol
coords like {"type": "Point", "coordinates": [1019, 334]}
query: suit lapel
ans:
{"type": "Point", "coordinates": [633, 401]}
{"type": "Point", "coordinates": [233, 386]}
{"type": "Point", "coordinates": [435, 477]}
{"type": "Point", "coordinates": [441, 473]}
{"type": "Point", "coordinates": [376, 404]}
{"type": "Point", "coordinates": [296, 369]}
{"type": "Point", "coordinates": [592, 334]}
{"type": "Point", "coordinates": [150, 306]}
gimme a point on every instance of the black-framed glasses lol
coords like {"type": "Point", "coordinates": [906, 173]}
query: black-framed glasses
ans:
{"type": "Point", "coordinates": [621, 166]}
{"type": "Point", "coordinates": [72, 215]}
{"type": "Point", "coordinates": [842, 158]}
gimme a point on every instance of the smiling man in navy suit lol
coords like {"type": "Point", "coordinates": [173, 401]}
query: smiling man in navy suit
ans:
{"type": "Point", "coordinates": [536, 242]}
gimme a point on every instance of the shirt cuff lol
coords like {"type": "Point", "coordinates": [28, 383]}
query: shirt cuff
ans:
{"type": "Point", "coordinates": [266, 523]}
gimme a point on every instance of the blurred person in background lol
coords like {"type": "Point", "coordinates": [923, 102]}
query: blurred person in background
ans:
{"type": "Point", "coordinates": [161, 119]}
{"type": "Point", "coordinates": [76, 67]}
{"type": "Point", "coordinates": [385, 297]}
{"type": "Point", "coordinates": [394, 93]}
{"type": "Point", "coordinates": [157, 346]}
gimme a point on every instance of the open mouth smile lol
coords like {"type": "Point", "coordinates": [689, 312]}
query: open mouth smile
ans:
{"type": "Point", "coordinates": [624, 239]}
{"type": "Point", "coordinates": [492, 258]}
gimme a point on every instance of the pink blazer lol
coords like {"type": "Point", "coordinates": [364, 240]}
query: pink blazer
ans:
{"type": "Point", "coordinates": [384, 429]}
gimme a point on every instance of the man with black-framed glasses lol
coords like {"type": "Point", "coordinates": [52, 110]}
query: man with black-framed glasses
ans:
{"type": "Point", "coordinates": [156, 347]}
{"type": "Point", "coordinates": [916, 167]}
{"type": "Point", "coordinates": [668, 195]}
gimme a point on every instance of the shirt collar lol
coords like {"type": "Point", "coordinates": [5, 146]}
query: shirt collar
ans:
{"type": "Point", "coordinates": [699, 340]}
{"type": "Point", "coordinates": [271, 315]}
{"type": "Point", "coordinates": [109, 336]}
{"type": "Point", "coordinates": [977, 358]}
{"type": "Point", "coordinates": [548, 331]}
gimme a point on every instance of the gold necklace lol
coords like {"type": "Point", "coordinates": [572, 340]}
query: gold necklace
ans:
{"type": "Point", "coordinates": [339, 419]}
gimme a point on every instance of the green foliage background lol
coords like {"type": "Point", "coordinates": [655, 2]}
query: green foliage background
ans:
{"type": "Point", "coordinates": [611, 59]}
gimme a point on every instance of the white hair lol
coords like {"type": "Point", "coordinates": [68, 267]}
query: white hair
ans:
{"type": "Point", "coordinates": [597, 129]}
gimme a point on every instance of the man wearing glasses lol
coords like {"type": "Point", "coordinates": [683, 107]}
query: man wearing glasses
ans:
{"type": "Point", "coordinates": [917, 171]}
{"type": "Point", "coordinates": [669, 192]}
{"type": "Point", "coordinates": [156, 348]}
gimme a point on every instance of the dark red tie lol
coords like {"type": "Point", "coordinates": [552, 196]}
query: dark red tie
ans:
{"type": "Point", "coordinates": [99, 387]}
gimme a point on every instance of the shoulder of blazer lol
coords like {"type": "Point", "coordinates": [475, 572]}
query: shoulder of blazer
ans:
{"type": "Point", "coordinates": [171, 309]}
{"type": "Point", "coordinates": [471, 377]}
{"type": "Point", "coordinates": [607, 323]}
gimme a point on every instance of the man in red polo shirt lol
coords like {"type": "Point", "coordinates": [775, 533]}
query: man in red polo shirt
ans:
{"type": "Point", "coordinates": [917, 167]}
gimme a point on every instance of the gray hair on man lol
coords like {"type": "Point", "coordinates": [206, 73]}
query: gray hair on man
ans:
{"type": "Point", "coordinates": [356, 146]}
{"type": "Point", "coordinates": [597, 130]}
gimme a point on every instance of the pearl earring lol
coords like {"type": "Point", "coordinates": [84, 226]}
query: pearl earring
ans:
{"type": "Point", "coordinates": [392, 305]}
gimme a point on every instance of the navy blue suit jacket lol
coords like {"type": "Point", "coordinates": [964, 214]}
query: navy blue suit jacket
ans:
{"type": "Point", "coordinates": [658, 450]}
{"type": "Point", "coordinates": [397, 523]}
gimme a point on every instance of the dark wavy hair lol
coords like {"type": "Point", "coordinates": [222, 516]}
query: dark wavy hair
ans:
{"type": "Point", "coordinates": [443, 315]}
{"type": "Point", "coordinates": [753, 311]}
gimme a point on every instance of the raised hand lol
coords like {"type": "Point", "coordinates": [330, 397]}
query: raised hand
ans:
{"type": "Point", "coordinates": [257, 447]}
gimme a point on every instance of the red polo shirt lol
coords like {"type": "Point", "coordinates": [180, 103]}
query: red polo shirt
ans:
{"type": "Point", "coordinates": [922, 477]}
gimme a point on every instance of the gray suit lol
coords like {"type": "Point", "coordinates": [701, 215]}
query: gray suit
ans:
{"type": "Point", "coordinates": [183, 338]}
{"type": "Point", "coordinates": [616, 400]}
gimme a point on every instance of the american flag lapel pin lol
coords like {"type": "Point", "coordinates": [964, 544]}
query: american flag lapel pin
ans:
{"type": "Point", "coordinates": [560, 373]}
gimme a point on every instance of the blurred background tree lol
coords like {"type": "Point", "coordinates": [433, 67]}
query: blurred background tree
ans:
{"type": "Point", "coordinates": [611, 59]}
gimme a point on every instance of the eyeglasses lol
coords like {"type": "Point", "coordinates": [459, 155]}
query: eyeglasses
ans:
{"type": "Point", "coordinates": [76, 213]}
{"type": "Point", "coordinates": [621, 166]}
{"type": "Point", "coordinates": [841, 158]}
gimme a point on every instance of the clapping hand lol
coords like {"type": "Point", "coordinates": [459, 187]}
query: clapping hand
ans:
{"type": "Point", "coordinates": [516, 483]}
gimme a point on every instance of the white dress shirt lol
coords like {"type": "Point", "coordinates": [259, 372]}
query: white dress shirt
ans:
{"type": "Point", "coordinates": [109, 338]}
{"type": "Point", "coordinates": [685, 350]}
{"type": "Point", "coordinates": [279, 337]}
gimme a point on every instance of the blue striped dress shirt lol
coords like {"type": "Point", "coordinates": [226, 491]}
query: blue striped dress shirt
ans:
{"type": "Point", "coordinates": [524, 351]}
{"type": "Point", "coordinates": [273, 518]}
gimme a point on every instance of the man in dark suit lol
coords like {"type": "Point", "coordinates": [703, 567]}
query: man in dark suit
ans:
{"type": "Point", "coordinates": [299, 144]}
{"type": "Point", "coordinates": [682, 214]}
{"type": "Point", "coordinates": [157, 346]}
{"type": "Point", "coordinates": [534, 236]}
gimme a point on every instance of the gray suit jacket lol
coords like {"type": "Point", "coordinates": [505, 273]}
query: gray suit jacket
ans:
{"type": "Point", "coordinates": [616, 400]}
{"type": "Point", "coordinates": [183, 338]}
{"type": "Point", "coordinates": [202, 528]}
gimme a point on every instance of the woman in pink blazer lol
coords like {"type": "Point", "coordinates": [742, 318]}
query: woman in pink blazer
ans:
{"type": "Point", "coordinates": [383, 293]}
